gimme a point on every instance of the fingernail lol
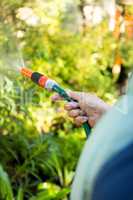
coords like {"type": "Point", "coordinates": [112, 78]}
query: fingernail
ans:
{"type": "Point", "coordinates": [71, 105]}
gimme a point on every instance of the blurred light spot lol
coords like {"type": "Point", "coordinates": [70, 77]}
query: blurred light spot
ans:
{"type": "Point", "coordinates": [116, 69]}
{"type": "Point", "coordinates": [20, 34]}
{"type": "Point", "coordinates": [27, 14]}
{"type": "Point", "coordinates": [93, 14]}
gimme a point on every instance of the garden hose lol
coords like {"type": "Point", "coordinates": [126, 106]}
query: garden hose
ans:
{"type": "Point", "coordinates": [51, 85]}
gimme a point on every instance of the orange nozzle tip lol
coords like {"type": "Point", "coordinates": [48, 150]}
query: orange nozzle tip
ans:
{"type": "Point", "coordinates": [26, 72]}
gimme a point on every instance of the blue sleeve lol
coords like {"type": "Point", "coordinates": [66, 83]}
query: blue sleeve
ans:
{"type": "Point", "coordinates": [115, 180]}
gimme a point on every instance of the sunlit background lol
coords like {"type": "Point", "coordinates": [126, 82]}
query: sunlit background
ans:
{"type": "Point", "coordinates": [83, 45]}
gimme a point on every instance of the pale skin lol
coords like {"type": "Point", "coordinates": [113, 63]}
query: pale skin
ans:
{"type": "Point", "coordinates": [88, 107]}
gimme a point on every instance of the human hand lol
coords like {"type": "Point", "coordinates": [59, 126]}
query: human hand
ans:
{"type": "Point", "coordinates": [88, 107]}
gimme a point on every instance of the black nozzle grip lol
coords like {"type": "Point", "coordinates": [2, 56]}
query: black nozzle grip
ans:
{"type": "Point", "coordinates": [36, 77]}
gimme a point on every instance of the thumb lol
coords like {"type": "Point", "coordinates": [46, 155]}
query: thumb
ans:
{"type": "Point", "coordinates": [75, 95]}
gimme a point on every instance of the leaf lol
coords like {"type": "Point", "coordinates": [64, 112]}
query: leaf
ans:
{"type": "Point", "coordinates": [20, 195]}
{"type": "Point", "coordinates": [6, 192]}
{"type": "Point", "coordinates": [45, 195]}
{"type": "Point", "coordinates": [62, 194]}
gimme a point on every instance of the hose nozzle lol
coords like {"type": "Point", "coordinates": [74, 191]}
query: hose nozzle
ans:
{"type": "Point", "coordinates": [26, 72]}
{"type": "Point", "coordinates": [36, 77]}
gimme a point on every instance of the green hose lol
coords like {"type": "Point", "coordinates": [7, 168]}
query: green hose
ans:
{"type": "Point", "coordinates": [63, 94]}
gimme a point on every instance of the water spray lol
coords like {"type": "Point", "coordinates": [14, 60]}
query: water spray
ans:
{"type": "Point", "coordinates": [50, 85]}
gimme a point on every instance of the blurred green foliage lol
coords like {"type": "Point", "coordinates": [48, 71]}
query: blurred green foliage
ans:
{"type": "Point", "coordinates": [39, 148]}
